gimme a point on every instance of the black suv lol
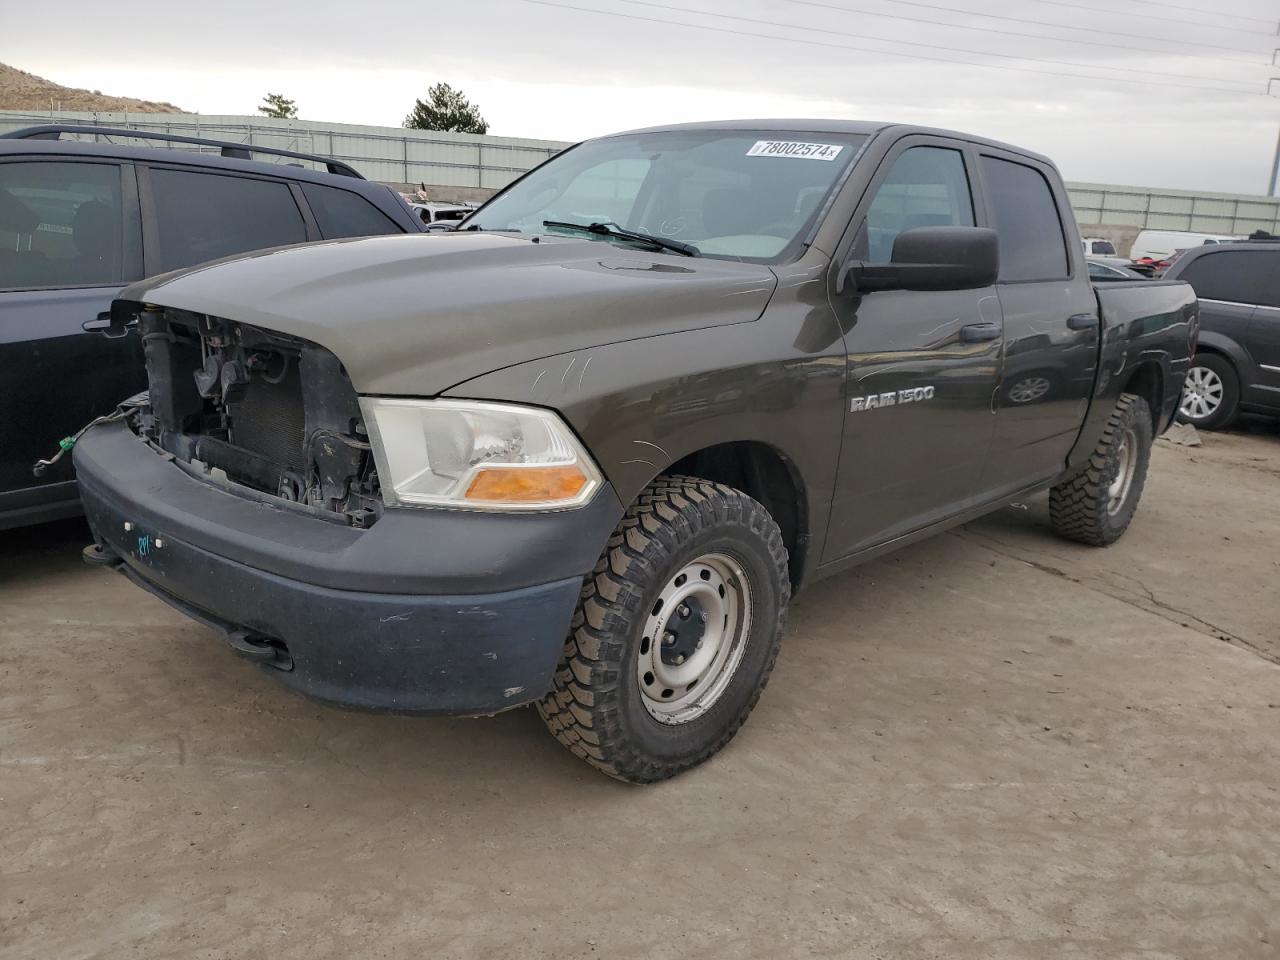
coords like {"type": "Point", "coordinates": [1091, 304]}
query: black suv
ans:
{"type": "Point", "coordinates": [1237, 363]}
{"type": "Point", "coordinates": [79, 221]}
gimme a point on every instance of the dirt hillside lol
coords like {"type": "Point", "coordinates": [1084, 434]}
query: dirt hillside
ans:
{"type": "Point", "coordinates": [20, 90]}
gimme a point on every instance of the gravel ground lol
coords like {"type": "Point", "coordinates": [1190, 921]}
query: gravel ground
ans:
{"type": "Point", "coordinates": [990, 745]}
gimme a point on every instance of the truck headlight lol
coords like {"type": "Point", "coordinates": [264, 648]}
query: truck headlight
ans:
{"type": "Point", "coordinates": [483, 456]}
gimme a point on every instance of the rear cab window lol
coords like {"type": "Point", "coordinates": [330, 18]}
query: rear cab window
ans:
{"type": "Point", "coordinates": [61, 224]}
{"type": "Point", "coordinates": [1026, 217]}
{"type": "Point", "coordinates": [204, 216]}
{"type": "Point", "coordinates": [341, 213]}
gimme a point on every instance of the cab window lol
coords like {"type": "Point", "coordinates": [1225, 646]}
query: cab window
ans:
{"type": "Point", "coordinates": [926, 187]}
{"type": "Point", "coordinates": [1032, 244]}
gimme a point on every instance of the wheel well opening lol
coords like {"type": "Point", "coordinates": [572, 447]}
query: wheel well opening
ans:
{"type": "Point", "coordinates": [1210, 348]}
{"type": "Point", "coordinates": [765, 475]}
{"type": "Point", "coordinates": [1147, 381]}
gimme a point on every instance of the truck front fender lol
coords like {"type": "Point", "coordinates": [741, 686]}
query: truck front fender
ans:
{"type": "Point", "coordinates": [644, 405]}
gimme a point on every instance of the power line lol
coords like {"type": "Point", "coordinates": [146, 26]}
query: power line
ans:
{"type": "Point", "coordinates": [1121, 13]}
{"type": "Point", "coordinates": [652, 4]}
{"type": "Point", "coordinates": [1183, 6]}
{"type": "Point", "coordinates": [843, 46]}
{"type": "Point", "coordinates": [1066, 26]}
{"type": "Point", "coordinates": [1014, 33]}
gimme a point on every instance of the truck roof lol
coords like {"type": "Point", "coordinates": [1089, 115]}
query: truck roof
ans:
{"type": "Point", "coordinates": [856, 127]}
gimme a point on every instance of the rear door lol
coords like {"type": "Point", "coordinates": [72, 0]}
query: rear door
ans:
{"type": "Point", "coordinates": [70, 238]}
{"type": "Point", "coordinates": [1263, 341]}
{"type": "Point", "coordinates": [1050, 323]}
{"type": "Point", "coordinates": [921, 365]}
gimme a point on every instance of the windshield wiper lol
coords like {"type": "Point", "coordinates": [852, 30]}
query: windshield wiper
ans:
{"type": "Point", "coordinates": [613, 230]}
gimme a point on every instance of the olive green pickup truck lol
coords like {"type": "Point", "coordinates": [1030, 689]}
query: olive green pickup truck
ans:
{"type": "Point", "coordinates": [580, 451]}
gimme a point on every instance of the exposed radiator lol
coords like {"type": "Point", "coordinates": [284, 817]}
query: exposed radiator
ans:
{"type": "Point", "coordinates": [270, 420]}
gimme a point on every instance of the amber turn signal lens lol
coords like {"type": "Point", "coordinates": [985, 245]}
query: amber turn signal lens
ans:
{"type": "Point", "coordinates": [526, 484]}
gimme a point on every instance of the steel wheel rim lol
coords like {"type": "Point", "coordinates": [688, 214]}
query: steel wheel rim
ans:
{"type": "Point", "coordinates": [1025, 391]}
{"type": "Point", "coordinates": [1202, 394]}
{"type": "Point", "coordinates": [712, 592]}
{"type": "Point", "coordinates": [1127, 460]}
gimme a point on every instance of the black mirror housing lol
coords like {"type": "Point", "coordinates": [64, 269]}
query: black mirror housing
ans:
{"type": "Point", "coordinates": [933, 258]}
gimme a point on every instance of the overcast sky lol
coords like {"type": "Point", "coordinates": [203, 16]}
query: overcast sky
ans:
{"type": "Point", "coordinates": [1187, 109]}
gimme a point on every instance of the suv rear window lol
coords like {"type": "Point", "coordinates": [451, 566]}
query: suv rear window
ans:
{"type": "Point", "coordinates": [1236, 276]}
{"type": "Point", "coordinates": [204, 216]}
{"type": "Point", "coordinates": [1032, 246]}
{"type": "Point", "coordinates": [60, 224]}
{"type": "Point", "coordinates": [341, 213]}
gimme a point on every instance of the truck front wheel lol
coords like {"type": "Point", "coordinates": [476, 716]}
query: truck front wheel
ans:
{"type": "Point", "coordinates": [675, 634]}
{"type": "Point", "coordinates": [1096, 505]}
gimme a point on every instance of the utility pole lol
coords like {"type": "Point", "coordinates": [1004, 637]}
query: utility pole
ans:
{"type": "Point", "coordinates": [1275, 170]}
{"type": "Point", "coordinates": [1271, 84]}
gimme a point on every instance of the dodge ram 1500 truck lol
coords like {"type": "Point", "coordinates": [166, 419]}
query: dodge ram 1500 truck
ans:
{"type": "Point", "coordinates": [581, 451]}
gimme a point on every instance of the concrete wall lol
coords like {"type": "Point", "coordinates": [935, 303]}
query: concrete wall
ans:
{"type": "Point", "coordinates": [460, 166]}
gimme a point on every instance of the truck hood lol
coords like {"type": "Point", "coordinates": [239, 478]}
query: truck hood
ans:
{"type": "Point", "coordinates": [414, 315]}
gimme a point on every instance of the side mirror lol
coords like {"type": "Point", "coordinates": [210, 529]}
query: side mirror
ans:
{"type": "Point", "coordinates": [933, 258]}
{"type": "Point", "coordinates": [108, 324]}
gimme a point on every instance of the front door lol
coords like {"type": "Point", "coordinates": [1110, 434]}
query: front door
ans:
{"type": "Point", "coordinates": [69, 239]}
{"type": "Point", "coordinates": [922, 366]}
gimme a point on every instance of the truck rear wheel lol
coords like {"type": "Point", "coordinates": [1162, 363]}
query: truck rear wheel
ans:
{"type": "Point", "coordinates": [676, 632]}
{"type": "Point", "coordinates": [1096, 505]}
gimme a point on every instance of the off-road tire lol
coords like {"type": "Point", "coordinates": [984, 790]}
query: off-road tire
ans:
{"type": "Point", "coordinates": [595, 707]}
{"type": "Point", "coordinates": [1229, 407]}
{"type": "Point", "coordinates": [1079, 507]}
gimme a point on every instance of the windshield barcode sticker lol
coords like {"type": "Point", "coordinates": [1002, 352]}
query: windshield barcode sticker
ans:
{"type": "Point", "coordinates": [791, 148]}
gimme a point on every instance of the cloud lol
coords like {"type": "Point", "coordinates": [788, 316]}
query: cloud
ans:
{"type": "Point", "coordinates": [545, 72]}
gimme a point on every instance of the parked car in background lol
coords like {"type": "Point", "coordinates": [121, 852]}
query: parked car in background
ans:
{"type": "Point", "coordinates": [1156, 245]}
{"type": "Point", "coordinates": [1105, 270]}
{"type": "Point", "coordinates": [1237, 362]}
{"type": "Point", "coordinates": [1097, 250]}
{"type": "Point", "coordinates": [580, 451]}
{"type": "Point", "coordinates": [1098, 247]}
{"type": "Point", "coordinates": [430, 212]}
{"type": "Point", "coordinates": [80, 220]}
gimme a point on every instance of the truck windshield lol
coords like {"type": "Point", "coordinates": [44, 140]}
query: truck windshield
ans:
{"type": "Point", "coordinates": [741, 195]}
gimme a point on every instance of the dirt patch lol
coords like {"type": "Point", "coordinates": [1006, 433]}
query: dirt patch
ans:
{"type": "Point", "coordinates": [992, 745]}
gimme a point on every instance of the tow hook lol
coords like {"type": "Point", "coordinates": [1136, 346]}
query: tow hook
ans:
{"type": "Point", "coordinates": [96, 555]}
{"type": "Point", "coordinates": [260, 649]}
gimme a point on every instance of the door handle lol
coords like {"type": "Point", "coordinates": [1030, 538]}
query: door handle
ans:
{"type": "Point", "coordinates": [1083, 321]}
{"type": "Point", "coordinates": [978, 332]}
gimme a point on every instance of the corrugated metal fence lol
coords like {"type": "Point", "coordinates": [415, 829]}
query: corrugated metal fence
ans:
{"type": "Point", "coordinates": [466, 163]}
{"type": "Point", "coordinates": [1228, 214]}
{"type": "Point", "coordinates": [388, 154]}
